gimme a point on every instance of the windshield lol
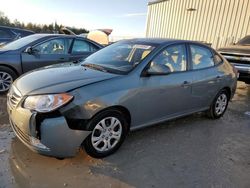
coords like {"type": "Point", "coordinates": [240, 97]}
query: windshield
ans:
{"type": "Point", "coordinates": [244, 41]}
{"type": "Point", "coordinates": [120, 57]}
{"type": "Point", "coordinates": [17, 44]}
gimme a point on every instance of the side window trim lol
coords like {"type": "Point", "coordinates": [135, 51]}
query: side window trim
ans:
{"type": "Point", "coordinates": [188, 57]}
{"type": "Point", "coordinates": [71, 46]}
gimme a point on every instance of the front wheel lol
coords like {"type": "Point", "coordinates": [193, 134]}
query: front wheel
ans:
{"type": "Point", "coordinates": [109, 130]}
{"type": "Point", "coordinates": [7, 76]}
{"type": "Point", "coordinates": [219, 105]}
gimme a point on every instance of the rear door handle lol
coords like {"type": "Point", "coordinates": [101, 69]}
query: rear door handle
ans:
{"type": "Point", "coordinates": [186, 84]}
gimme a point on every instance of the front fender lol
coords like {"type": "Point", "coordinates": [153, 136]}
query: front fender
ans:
{"type": "Point", "coordinates": [85, 109]}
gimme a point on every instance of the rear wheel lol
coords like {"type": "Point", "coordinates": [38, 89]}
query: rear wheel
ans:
{"type": "Point", "coordinates": [109, 130]}
{"type": "Point", "coordinates": [219, 105]}
{"type": "Point", "coordinates": [7, 76]}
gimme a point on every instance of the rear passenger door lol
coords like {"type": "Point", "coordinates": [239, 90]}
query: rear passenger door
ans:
{"type": "Point", "coordinates": [205, 74]}
{"type": "Point", "coordinates": [81, 49]}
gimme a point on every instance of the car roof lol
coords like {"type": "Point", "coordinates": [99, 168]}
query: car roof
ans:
{"type": "Point", "coordinates": [49, 35]}
{"type": "Point", "coordinates": [16, 29]}
{"type": "Point", "coordinates": [39, 36]}
{"type": "Point", "coordinates": [160, 41]}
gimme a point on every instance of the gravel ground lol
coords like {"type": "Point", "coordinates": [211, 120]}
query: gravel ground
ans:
{"type": "Point", "coordinates": [189, 152]}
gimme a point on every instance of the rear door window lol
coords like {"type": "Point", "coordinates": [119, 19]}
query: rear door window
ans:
{"type": "Point", "coordinates": [81, 46]}
{"type": "Point", "coordinates": [202, 57]}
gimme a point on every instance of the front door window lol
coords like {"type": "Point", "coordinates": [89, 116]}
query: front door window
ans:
{"type": "Point", "coordinates": [54, 46]}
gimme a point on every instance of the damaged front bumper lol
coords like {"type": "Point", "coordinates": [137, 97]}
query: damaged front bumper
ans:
{"type": "Point", "coordinates": [52, 136]}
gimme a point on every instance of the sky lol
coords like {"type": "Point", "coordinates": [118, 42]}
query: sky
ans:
{"type": "Point", "coordinates": [125, 17]}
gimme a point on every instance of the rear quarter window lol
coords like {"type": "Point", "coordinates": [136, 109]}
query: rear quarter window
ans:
{"type": "Point", "coordinates": [217, 59]}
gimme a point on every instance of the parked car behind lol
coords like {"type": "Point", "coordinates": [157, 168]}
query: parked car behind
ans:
{"type": "Point", "coordinates": [125, 86]}
{"type": "Point", "coordinates": [239, 56]}
{"type": "Point", "coordinates": [40, 50]}
{"type": "Point", "coordinates": [8, 34]}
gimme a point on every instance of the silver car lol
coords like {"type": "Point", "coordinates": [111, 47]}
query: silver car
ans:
{"type": "Point", "coordinates": [126, 86]}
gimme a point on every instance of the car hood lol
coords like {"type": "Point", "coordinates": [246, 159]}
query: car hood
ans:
{"type": "Point", "coordinates": [3, 51]}
{"type": "Point", "coordinates": [8, 52]}
{"type": "Point", "coordinates": [235, 49]}
{"type": "Point", "coordinates": [58, 79]}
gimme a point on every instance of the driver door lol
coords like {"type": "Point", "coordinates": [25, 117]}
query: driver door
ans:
{"type": "Point", "coordinates": [166, 95]}
{"type": "Point", "coordinates": [51, 52]}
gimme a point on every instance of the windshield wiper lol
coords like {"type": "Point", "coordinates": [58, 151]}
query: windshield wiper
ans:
{"type": "Point", "coordinates": [95, 66]}
{"type": "Point", "coordinates": [102, 68]}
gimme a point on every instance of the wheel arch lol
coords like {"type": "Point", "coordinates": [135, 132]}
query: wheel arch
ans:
{"type": "Point", "coordinates": [119, 108]}
{"type": "Point", "coordinates": [228, 90]}
{"type": "Point", "coordinates": [10, 67]}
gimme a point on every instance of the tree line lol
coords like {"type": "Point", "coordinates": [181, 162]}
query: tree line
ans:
{"type": "Point", "coordinates": [37, 28]}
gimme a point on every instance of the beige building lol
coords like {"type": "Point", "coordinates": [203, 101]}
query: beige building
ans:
{"type": "Point", "coordinates": [219, 22]}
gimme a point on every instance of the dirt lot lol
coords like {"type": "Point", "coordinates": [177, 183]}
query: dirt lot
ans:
{"type": "Point", "coordinates": [190, 152]}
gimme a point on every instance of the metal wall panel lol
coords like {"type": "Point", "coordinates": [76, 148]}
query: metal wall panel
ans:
{"type": "Point", "coordinates": [219, 22]}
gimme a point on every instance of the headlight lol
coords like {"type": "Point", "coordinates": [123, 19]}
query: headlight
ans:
{"type": "Point", "coordinates": [46, 103]}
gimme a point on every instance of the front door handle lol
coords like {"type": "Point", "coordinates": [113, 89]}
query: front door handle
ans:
{"type": "Point", "coordinates": [61, 59]}
{"type": "Point", "coordinates": [186, 84]}
{"type": "Point", "coordinates": [218, 78]}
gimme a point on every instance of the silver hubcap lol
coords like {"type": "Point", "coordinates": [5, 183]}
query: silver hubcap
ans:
{"type": "Point", "coordinates": [106, 134]}
{"type": "Point", "coordinates": [221, 104]}
{"type": "Point", "coordinates": [5, 81]}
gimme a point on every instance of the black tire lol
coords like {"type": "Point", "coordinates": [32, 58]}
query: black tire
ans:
{"type": "Point", "coordinates": [89, 147]}
{"type": "Point", "coordinates": [9, 72]}
{"type": "Point", "coordinates": [247, 81]}
{"type": "Point", "coordinates": [212, 112]}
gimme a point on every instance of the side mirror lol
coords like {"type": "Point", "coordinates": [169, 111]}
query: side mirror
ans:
{"type": "Point", "coordinates": [30, 50]}
{"type": "Point", "coordinates": [158, 69]}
